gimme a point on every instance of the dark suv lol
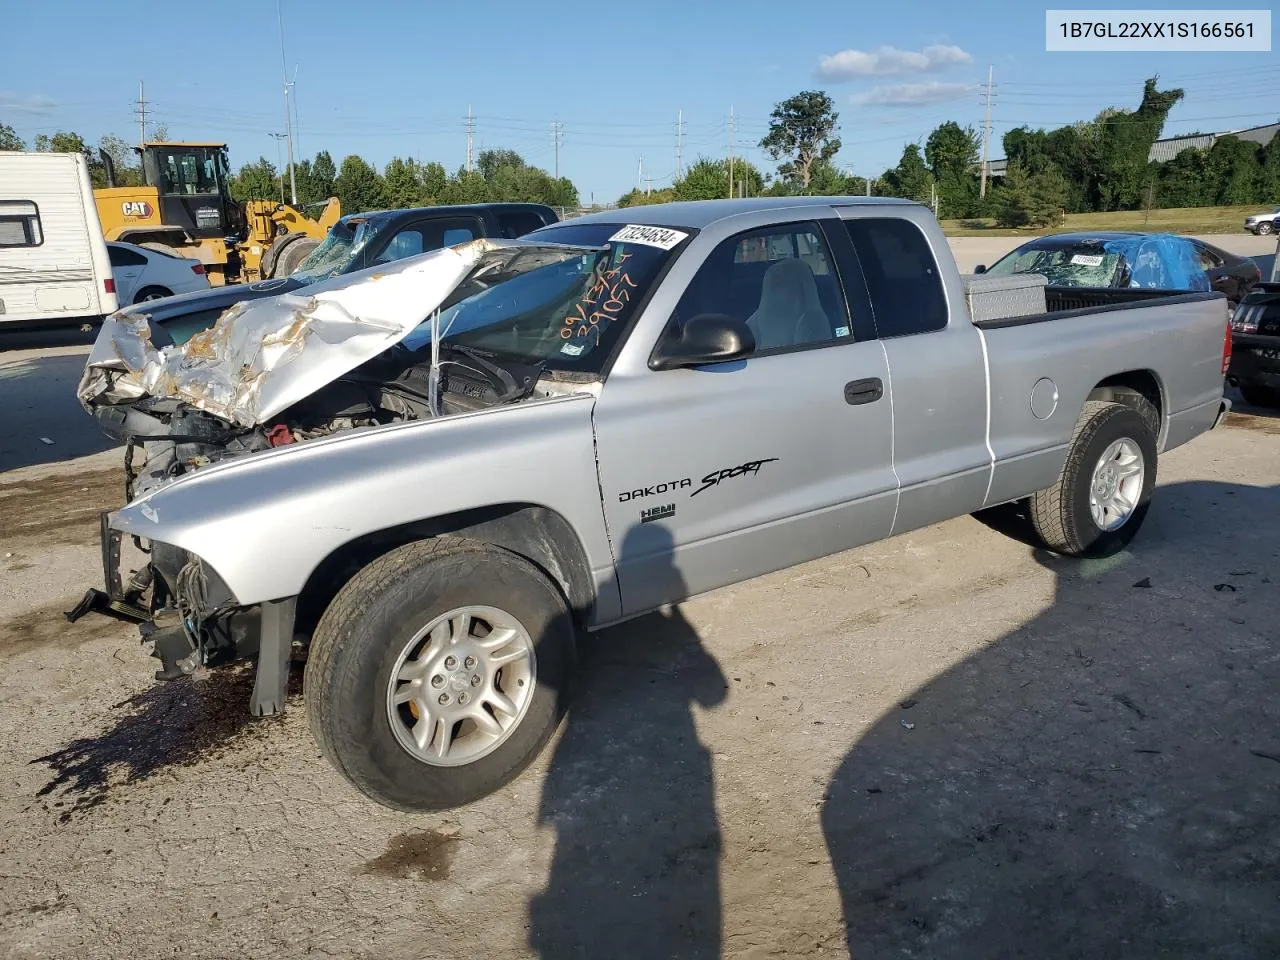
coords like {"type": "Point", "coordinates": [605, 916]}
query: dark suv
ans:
{"type": "Point", "coordinates": [357, 241]}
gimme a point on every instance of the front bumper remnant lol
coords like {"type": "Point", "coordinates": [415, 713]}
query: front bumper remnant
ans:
{"type": "Point", "coordinates": [116, 600]}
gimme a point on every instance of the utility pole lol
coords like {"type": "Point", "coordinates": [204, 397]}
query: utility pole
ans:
{"type": "Point", "coordinates": [142, 116]}
{"type": "Point", "coordinates": [868, 180]}
{"type": "Point", "coordinates": [556, 127]}
{"type": "Point", "coordinates": [278, 137]}
{"type": "Point", "coordinates": [731, 150]}
{"type": "Point", "coordinates": [680, 144]}
{"type": "Point", "coordinates": [640, 175]}
{"type": "Point", "coordinates": [293, 89]}
{"type": "Point", "coordinates": [288, 116]}
{"type": "Point", "coordinates": [986, 139]}
{"type": "Point", "coordinates": [470, 139]}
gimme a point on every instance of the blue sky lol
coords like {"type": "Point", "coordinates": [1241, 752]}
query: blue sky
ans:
{"type": "Point", "coordinates": [396, 78]}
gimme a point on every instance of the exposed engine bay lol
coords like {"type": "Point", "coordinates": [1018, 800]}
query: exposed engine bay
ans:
{"type": "Point", "coordinates": [166, 438]}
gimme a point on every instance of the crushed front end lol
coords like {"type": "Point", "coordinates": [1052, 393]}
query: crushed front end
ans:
{"type": "Point", "coordinates": [190, 617]}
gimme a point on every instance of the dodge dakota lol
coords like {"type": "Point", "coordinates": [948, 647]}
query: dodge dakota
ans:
{"type": "Point", "coordinates": [428, 478]}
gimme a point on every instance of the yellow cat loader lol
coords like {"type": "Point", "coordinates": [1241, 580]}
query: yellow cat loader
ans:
{"type": "Point", "coordinates": [186, 205]}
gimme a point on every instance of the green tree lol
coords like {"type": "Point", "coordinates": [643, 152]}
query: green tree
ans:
{"type": "Point", "coordinates": [435, 182]}
{"type": "Point", "coordinates": [256, 181]}
{"type": "Point", "coordinates": [1124, 142]}
{"type": "Point", "coordinates": [1235, 168]}
{"type": "Point", "coordinates": [1030, 199]}
{"type": "Point", "coordinates": [1269, 178]}
{"type": "Point", "coordinates": [952, 154]}
{"type": "Point", "coordinates": [124, 159]}
{"type": "Point", "coordinates": [638, 198]}
{"type": "Point", "coordinates": [467, 186]}
{"type": "Point", "coordinates": [828, 181]}
{"type": "Point", "coordinates": [910, 179]}
{"type": "Point", "coordinates": [359, 187]}
{"type": "Point", "coordinates": [324, 175]}
{"type": "Point", "coordinates": [403, 186]}
{"type": "Point", "coordinates": [9, 139]}
{"type": "Point", "coordinates": [62, 142]}
{"type": "Point", "coordinates": [709, 180]}
{"type": "Point", "coordinates": [1184, 180]}
{"type": "Point", "coordinates": [489, 162]}
{"type": "Point", "coordinates": [160, 134]}
{"type": "Point", "coordinates": [802, 129]}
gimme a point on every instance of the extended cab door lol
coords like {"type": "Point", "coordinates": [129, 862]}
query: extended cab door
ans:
{"type": "Point", "coordinates": [936, 364]}
{"type": "Point", "coordinates": [723, 472]}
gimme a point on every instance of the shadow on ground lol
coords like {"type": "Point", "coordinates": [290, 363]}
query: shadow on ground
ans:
{"type": "Point", "coordinates": [1103, 781]}
{"type": "Point", "coordinates": [43, 420]}
{"type": "Point", "coordinates": [175, 724]}
{"type": "Point", "coordinates": [631, 798]}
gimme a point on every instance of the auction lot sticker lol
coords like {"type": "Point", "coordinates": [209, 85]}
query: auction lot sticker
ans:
{"type": "Point", "coordinates": [662, 237]}
{"type": "Point", "coordinates": [1200, 31]}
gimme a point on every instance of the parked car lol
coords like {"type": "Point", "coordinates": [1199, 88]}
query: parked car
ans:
{"type": "Point", "coordinates": [1255, 342]}
{"type": "Point", "coordinates": [1261, 224]}
{"type": "Point", "coordinates": [1128, 265]}
{"type": "Point", "coordinates": [144, 274]}
{"type": "Point", "coordinates": [607, 416]}
{"type": "Point", "coordinates": [355, 242]}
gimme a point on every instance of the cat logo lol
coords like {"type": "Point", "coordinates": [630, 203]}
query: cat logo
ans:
{"type": "Point", "coordinates": [136, 208]}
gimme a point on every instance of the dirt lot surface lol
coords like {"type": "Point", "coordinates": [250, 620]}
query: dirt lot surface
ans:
{"type": "Point", "coordinates": [944, 745]}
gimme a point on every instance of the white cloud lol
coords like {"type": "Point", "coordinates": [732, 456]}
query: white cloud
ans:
{"type": "Point", "coordinates": [889, 61]}
{"type": "Point", "coordinates": [914, 94]}
{"type": "Point", "coordinates": [35, 103]}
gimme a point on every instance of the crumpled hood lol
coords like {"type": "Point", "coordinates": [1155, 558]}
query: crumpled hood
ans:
{"type": "Point", "coordinates": [263, 356]}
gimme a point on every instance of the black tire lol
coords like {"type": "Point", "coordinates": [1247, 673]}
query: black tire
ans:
{"type": "Point", "coordinates": [292, 256]}
{"type": "Point", "coordinates": [267, 266]}
{"type": "Point", "coordinates": [152, 293]}
{"type": "Point", "coordinates": [1061, 515]}
{"type": "Point", "coordinates": [371, 620]}
{"type": "Point", "coordinates": [1264, 229]}
{"type": "Point", "coordinates": [1260, 396]}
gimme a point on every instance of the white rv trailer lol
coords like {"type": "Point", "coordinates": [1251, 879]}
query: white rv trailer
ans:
{"type": "Point", "coordinates": [54, 267]}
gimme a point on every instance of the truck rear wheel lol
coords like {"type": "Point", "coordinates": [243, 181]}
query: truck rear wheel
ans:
{"type": "Point", "coordinates": [1104, 490]}
{"type": "Point", "coordinates": [439, 672]}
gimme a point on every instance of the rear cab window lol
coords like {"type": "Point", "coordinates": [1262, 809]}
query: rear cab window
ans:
{"type": "Point", "coordinates": [902, 277]}
{"type": "Point", "coordinates": [516, 223]}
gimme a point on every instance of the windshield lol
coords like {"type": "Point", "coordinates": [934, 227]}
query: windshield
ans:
{"type": "Point", "coordinates": [336, 252]}
{"type": "Point", "coordinates": [566, 315]}
{"type": "Point", "coordinates": [1086, 265]}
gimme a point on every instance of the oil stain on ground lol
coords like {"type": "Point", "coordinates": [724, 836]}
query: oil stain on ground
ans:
{"type": "Point", "coordinates": [421, 855]}
{"type": "Point", "coordinates": [48, 627]}
{"type": "Point", "coordinates": [59, 509]}
{"type": "Point", "coordinates": [176, 724]}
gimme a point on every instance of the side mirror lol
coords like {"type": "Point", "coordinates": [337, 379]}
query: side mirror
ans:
{"type": "Point", "coordinates": [706, 338]}
{"type": "Point", "coordinates": [980, 268]}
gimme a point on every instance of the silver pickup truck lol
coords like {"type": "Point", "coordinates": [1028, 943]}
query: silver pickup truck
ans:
{"type": "Point", "coordinates": [429, 480]}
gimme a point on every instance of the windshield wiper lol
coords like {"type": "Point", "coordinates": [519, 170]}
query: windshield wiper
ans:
{"type": "Point", "coordinates": [485, 360]}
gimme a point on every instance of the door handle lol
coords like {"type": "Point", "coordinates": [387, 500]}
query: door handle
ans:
{"type": "Point", "coordinates": [863, 391]}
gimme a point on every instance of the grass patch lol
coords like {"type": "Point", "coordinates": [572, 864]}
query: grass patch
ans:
{"type": "Point", "coordinates": [1190, 220]}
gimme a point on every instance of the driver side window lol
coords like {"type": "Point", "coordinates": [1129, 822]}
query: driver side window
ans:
{"type": "Point", "coordinates": [780, 281]}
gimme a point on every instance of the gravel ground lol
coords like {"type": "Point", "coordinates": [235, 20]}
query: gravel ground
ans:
{"type": "Point", "coordinates": [943, 745]}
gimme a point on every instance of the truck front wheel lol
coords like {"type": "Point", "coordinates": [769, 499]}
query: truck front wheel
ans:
{"type": "Point", "coordinates": [439, 672]}
{"type": "Point", "coordinates": [1104, 490]}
